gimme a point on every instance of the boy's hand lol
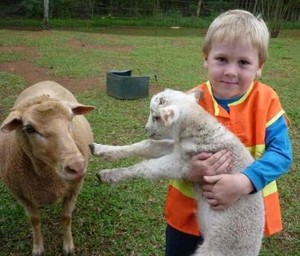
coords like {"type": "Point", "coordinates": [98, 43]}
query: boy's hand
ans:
{"type": "Point", "coordinates": [223, 190]}
{"type": "Point", "coordinates": [207, 164]}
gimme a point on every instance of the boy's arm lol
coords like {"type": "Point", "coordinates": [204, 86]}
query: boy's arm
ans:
{"type": "Point", "coordinates": [224, 189]}
{"type": "Point", "coordinates": [277, 158]}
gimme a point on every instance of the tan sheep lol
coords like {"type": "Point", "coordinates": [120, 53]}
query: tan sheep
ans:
{"type": "Point", "coordinates": [44, 154]}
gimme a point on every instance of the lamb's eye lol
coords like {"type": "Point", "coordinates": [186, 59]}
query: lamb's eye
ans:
{"type": "Point", "coordinates": [156, 119]}
{"type": "Point", "coordinates": [29, 129]}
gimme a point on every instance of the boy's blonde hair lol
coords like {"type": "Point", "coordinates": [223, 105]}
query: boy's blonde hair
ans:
{"type": "Point", "coordinates": [235, 25]}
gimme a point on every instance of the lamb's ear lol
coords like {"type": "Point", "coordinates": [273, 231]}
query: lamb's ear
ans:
{"type": "Point", "coordinates": [169, 115]}
{"type": "Point", "coordinates": [161, 101]}
{"type": "Point", "coordinates": [12, 122]}
{"type": "Point", "coordinates": [196, 93]}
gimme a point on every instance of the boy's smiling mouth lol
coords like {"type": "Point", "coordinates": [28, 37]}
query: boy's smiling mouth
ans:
{"type": "Point", "coordinates": [228, 83]}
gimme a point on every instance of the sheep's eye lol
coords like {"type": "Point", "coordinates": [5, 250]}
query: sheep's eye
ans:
{"type": "Point", "coordinates": [156, 119]}
{"type": "Point", "coordinates": [29, 129]}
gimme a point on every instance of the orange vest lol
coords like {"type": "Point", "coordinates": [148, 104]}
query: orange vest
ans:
{"type": "Point", "coordinates": [248, 119]}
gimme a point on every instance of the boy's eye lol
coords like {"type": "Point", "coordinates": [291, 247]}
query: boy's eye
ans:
{"type": "Point", "coordinates": [221, 59]}
{"type": "Point", "coordinates": [244, 62]}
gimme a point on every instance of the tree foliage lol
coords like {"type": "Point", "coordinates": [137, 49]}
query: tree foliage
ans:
{"type": "Point", "coordinates": [287, 9]}
{"type": "Point", "coordinates": [273, 11]}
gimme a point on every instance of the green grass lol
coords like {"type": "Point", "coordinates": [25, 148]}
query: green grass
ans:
{"type": "Point", "coordinates": [127, 218]}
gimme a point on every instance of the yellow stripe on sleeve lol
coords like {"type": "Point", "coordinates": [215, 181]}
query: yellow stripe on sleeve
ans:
{"type": "Point", "coordinates": [270, 189]}
{"type": "Point", "coordinates": [275, 118]}
{"type": "Point", "coordinates": [257, 151]}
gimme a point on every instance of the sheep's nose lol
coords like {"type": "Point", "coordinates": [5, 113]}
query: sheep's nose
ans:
{"type": "Point", "coordinates": [75, 168]}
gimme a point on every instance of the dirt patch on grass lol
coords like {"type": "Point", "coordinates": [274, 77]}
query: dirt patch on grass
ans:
{"type": "Point", "coordinates": [6, 48]}
{"type": "Point", "coordinates": [81, 45]}
{"type": "Point", "coordinates": [33, 74]}
{"type": "Point", "coordinates": [290, 33]}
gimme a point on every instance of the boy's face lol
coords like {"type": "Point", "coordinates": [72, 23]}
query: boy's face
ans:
{"type": "Point", "coordinates": [232, 68]}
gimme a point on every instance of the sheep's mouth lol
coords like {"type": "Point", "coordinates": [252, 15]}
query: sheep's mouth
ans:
{"type": "Point", "coordinates": [157, 136]}
{"type": "Point", "coordinates": [154, 136]}
{"type": "Point", "coordinates": [72, 175]}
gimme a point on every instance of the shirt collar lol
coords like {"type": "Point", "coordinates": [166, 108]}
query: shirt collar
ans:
{"type": "Point", "coordinates": [229, 102]}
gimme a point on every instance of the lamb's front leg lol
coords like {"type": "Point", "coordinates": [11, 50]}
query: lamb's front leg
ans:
{"type": "Point", "coordinates": [167, 167]}
{"type": "Point", "coordinates": [146, 148]}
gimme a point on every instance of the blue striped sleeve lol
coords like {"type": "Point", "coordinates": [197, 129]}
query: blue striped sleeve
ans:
{"type": "Point", "coordinates": [276, 159]}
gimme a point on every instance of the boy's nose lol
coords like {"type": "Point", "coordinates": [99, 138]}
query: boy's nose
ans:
{"type": "Point", "coordinates": [231, 70]}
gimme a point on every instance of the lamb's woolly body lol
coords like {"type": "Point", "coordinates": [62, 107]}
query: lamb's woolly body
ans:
{"type": "Point", "coordinates": [38, 176]}
{"type": "Point", "coordinates": [237, 230]}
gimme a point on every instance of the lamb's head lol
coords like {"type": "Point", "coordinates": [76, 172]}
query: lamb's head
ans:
{"type": "Point", "coordinates": [166, 109]}
{"type": "Point", "coordinates": [45, 133]}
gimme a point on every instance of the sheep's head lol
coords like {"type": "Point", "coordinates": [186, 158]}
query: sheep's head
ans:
{"type": "Point", "coordinates": [166, 112]}
{"type": "Point", "coordinates": [45, 133]}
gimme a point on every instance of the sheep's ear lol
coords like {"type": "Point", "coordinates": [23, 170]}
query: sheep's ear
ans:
{"type": "Point", "coordinates": [169, 115]}
{"type": "Point", "coordinates": [161, 101]}
{"type": "Point", "coordinates": [79, 109]}
{"type": "Point", "coordinates": [196, 93]}
{"type": "Point", "coordinates": [82, 109]}
{"type": "Point", "coordinates": [12, 122]}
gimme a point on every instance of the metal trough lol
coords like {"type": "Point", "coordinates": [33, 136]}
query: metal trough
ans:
{"type": "Point", "coordinates": [121, 85]}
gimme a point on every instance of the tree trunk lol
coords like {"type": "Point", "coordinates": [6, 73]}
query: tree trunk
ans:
{"type": "Point", "coordinates": [255, 6]}
{"type": "Point", "coordinates": [46, 14]}
{"type": "Point", "coordinates": [91, 8]}
{"type": "Point", "coordinates": [156, 7]}
{"type": "Point", "coordinates": [136, 8]}
{"type": "Point", "coordinates": [279, 15]}
{"type": "Point", "coordinates": [198, 8]}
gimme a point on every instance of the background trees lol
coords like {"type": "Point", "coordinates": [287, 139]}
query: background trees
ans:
{"type": "Point", "coordinates": [273, 11]}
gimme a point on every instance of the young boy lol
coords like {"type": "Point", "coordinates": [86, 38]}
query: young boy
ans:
{"type": "Point", "coordinates": [235, 50]}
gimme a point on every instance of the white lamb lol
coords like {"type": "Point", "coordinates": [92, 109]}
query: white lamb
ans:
{"type": "Point", "coordinates": [235, 231]}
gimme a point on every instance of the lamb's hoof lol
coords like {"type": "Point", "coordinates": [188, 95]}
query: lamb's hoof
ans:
{"type": "Point", "coordinates": [98, 175]}
{"type": "Point", "coordinates": [92, 148]}
{"type": "Point", "coordinates": [107, 176]}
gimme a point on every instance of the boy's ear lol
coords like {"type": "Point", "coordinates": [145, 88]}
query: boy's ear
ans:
{"type": "Point", "coordinates": [205, 60]}
{"type": "Point", "coordinates": [169, 115]}
{"type": "Point", "coordinates": [259, 71]}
